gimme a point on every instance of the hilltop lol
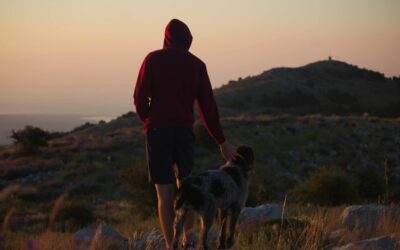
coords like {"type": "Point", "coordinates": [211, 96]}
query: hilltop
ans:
{"type": "Point", "coordinates": [327, 87]}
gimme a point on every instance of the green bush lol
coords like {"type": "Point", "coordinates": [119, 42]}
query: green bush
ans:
{"type": "Point", "coordinates": [141, 193]}
{"type": "Point", "coordinates": [30, 139]}
{"type": "Point", "coordinates": [326, 186]}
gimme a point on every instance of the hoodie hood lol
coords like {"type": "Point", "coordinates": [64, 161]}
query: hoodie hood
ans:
{"type": "Point", "coordinates": [177, 35]}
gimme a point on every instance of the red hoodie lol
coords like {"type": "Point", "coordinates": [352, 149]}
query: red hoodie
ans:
{"type": "Point", "coordinates": [169, 82]}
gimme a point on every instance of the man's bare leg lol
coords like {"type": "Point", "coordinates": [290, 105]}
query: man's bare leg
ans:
{"type": "Point", "coordinates": [188, 224]}
{"type": "Point", "coordinates": [165, 195]}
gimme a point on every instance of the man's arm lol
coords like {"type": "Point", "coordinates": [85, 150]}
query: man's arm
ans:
{"type": "Point", "coordinates": [209, 115]}
{"type": "Point", "coordinates": [142, 92]}
{"type": "Point", "coordinates": [208, 109]}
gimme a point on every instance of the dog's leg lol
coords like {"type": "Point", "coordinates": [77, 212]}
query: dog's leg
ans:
{"type": "Point", "coordinates": [234, 217]}
{"type": "Point", "coordinates": [222, 233]}
{"type": "Point", "coordinates": [206, 222]}
{"type": "Point", "coordinates": [178, 225]}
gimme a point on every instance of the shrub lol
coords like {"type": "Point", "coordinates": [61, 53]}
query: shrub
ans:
{"type": "Point", "coordinates": [129, 114]}
{"type": "Point", "coordinates": [73, 216]}
{"type": "Point", "coordinates": [326, 186]}
{"type": "Point", "coordinates": [82, 127]}
{"type": "Point", "coordinates": [141, 193]}
{"type": "Point", "coordinates": [30, 139]}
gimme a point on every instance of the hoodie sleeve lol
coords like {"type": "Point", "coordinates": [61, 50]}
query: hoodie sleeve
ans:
{"type": "Point", "coordinates": [208, 109]}
{"type": "Point", "coordinates": [142, 91]}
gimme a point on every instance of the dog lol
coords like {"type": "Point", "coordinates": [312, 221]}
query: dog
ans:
{"type": "Point", "coordinates": [225, 190]}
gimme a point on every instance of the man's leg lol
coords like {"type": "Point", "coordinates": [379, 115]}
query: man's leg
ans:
{"type": "Point", "coordinates": [165, 195]}
{"type": "Point", "coordinates": [184, 158]}
{"type": "Point", "coordinates": [188, 224]}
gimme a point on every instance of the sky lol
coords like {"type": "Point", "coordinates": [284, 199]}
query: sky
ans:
{"type": "Point", "coordinates": [83, 56]}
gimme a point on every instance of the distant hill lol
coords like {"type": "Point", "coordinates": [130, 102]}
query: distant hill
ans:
{"type": "Point", "coordinates": [325, 87]}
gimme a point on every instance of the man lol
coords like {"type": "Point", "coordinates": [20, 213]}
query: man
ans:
{"type": "Point", "coordinates": [169, 82]}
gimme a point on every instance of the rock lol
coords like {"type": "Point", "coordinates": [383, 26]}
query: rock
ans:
{"type": "Point", "coordinates": [256, 215]}
{"type": "Point", "coordinates": [335, 236]}
{"type": "Point", "coordinates": [150, 240]}
{"type": "Point", "coordinates": [367, 217]}
{"type": "Point", "coordinates": [83, 237]}
{"type": "Point", "coordinates": [86, 237]}
{"type": "Point", "coordinates": [388, 242]}
{"type": "Point", "coordinates": [153, 240]}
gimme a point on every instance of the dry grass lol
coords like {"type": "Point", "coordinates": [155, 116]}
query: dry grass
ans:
{"type": "Point", "coordinates": [311, 233]}
{"type": "Point", "coordinates": [305, 232]}
{"type": "Point", "coordinates": [45, 241]}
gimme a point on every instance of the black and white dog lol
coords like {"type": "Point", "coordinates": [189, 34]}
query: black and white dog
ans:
{"type": "Point", "coordinates": [225, 190]}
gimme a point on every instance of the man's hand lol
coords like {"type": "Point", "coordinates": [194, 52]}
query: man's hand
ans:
{"type": "Point", "coordinates": [228, 151]}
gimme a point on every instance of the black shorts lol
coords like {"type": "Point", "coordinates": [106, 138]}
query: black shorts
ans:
{"type": "Point", "coordinates": [166, 147]}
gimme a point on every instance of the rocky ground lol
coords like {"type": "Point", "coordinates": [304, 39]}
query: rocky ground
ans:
{"type": "Point", "coordinates": [360, 227]}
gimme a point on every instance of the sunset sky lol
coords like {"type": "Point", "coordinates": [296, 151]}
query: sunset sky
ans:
{"type": "Point", "coordinates": [83, 56]}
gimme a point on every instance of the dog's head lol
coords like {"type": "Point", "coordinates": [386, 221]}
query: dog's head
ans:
{"type": "Point", "coordinates": [245, 156]}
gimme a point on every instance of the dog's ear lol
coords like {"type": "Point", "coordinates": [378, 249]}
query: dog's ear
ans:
{"type": "Point", "coordinates": [247, 153]}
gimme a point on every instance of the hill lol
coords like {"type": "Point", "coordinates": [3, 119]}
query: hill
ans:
{"type": "Point", "coordinates": [327, 87]}
{"type": "Point", "coordinates": [98, 172]}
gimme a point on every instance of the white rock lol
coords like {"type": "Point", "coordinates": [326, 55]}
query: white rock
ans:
{"type": "Point", "coordinates": [86, 237]}
{"type": "Point", "coordinates": [153, 239]}
{"type": "Point", "coordinates": [364, 216]}
{"type": "Point", "coordinates": [83, 237]}
{"type": "Point", "coordinates": [388, 242]}
{"type": "Point", "coordinates": [335, 236]}
{"type": "Point", "coordinates": [260, 214]}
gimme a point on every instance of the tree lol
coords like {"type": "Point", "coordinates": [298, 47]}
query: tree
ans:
{"type": "Point", "coordinates": [30, 139]}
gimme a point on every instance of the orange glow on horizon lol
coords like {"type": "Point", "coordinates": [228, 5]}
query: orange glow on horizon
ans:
{"type": "Point", "coordinates": [84, 56]}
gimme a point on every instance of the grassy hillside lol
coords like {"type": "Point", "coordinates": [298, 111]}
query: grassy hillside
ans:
{"type": "Point", "coordinates": [327, 87]}
{"type": "Point", "coordinates": [100, 172]}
